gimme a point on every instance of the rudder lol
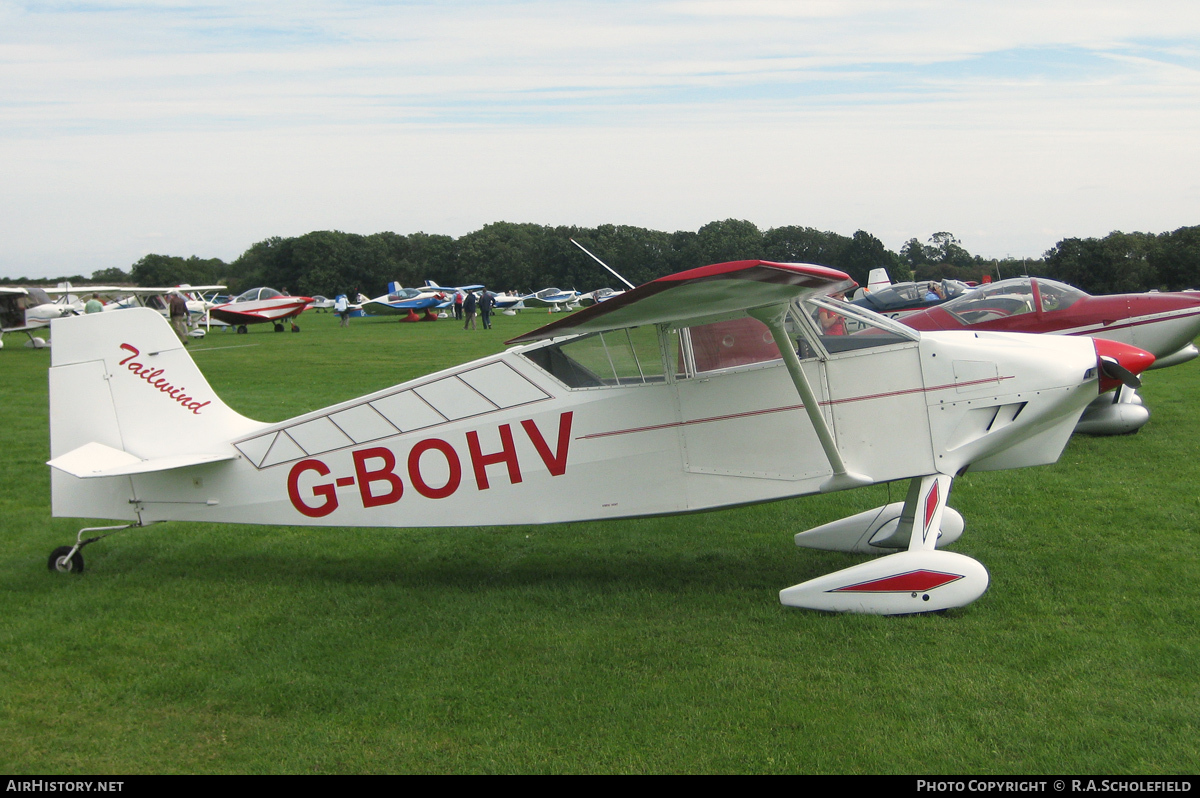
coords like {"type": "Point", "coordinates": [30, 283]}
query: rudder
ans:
{"type": "Point", "coordinates": [122, 379]}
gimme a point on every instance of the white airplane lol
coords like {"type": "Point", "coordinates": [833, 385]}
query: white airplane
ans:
{"type": "Point", "coordinates": [15, 304]}
{"type": "Point", "coordinates": [400, 301]}
{"type": "Point", "coordinates": [597, 296]}
{"type": "Point", "coordinates": [705, 389]}
{"type": "Point", "coordinates": [155, 298]}
{"type": "Point", "coordinates": [600, 294]}
{"type": "Point", "coordinates": [555, 299]}
{"type": "Point", "coordinates": [46, 304]}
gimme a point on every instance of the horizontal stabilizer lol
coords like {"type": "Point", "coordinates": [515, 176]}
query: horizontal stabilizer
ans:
{"type": "Point", "coordinates": [98, 460]}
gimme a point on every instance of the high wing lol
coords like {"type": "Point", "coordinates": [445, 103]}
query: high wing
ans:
{"type": "Point", "coordinates": [84, 289]}
{"type": "Point", "coordinates": [698, 296]}
{"type": "Point", "coordinates": [433, 286]}
{"type": "Point", "coordinates": [143, 291]}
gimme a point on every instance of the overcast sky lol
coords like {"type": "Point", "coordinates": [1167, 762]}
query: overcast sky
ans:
{"type": "Point", "coordinates": [200, 128]}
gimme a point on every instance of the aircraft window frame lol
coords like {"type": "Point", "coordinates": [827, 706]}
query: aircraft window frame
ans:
{"type": "Point", "coordinates": [630, 364]}
{"type": "Point", "coordinates": [896, 333]}
{"type": "Point", "coordinates": [806, 336]}
{"type": "Point", "coordinates": [688, 350]}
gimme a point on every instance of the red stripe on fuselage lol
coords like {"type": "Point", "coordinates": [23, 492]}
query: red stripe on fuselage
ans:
{"type": "Point", "coordinates": [785, 408]}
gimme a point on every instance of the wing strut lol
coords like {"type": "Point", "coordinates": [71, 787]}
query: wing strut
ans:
{"type": "Point", "coordinates": [773, 316]}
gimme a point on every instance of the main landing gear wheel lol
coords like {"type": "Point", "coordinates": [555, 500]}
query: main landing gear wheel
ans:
{"type": "Point", "coordinates": [278, 328]}
{"type": "Point", "coordinates": [241, 329]}
{"type": "Point", "coordinates": [63, 561]}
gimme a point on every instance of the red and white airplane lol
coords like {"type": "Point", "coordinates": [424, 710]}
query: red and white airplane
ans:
{"type": "Point", "coordinates": [710, 388]}
{"type": "Point", "coordinates": [259, 306]}
{"type": "Point", "coordinates": [1164, 324]}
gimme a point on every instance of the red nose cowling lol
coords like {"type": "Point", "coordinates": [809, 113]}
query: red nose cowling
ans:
{"type": "Point", "coordinates": [1128, 356]}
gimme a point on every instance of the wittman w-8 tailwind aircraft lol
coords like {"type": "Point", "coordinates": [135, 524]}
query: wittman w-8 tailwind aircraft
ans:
{"type": "Point", "coordinates": [705, 389]}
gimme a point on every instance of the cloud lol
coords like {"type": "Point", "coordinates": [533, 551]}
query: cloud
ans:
{"type": "Point", "coordinates": [260, 119]}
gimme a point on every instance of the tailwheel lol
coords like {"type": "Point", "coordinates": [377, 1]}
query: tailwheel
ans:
{"type": "Point", "coordinates": [69, 559]}
{"type": "Point", "coordinates": [66, 560]}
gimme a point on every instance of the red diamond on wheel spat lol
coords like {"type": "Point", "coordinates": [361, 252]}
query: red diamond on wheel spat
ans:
{"type": "Point", "coordinates": [918, 581]}
{"type": "Point", "coordinates": [931, 503]}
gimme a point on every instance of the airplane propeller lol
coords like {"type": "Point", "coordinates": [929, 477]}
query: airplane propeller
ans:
{"type": "Point", "coordinates": [1114, 370]}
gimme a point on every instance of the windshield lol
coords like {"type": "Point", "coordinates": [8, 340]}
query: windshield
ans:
{"type": "Point", "coordinates": [996, 301]}
{"type": "Point", "coordinates": [1056, 295]}
{"type": "Point", "coordinates": [255, 294]}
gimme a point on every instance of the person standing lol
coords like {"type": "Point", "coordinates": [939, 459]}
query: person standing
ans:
{"type": "Point", "coordinates": [458, 305]}
{"type": "Point", "coordinates": [468, 309]}
{"type": "Point", "coordinates": [486, 301]}
{"type": "Point", "coordinates": [94, 305]}
{"type": "Point", "coordinates": [342, 308]}
{"type": "Point", "coordinates": [179, 314]}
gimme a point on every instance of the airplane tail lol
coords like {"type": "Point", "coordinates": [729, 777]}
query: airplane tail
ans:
{"type": "Point", "coordinates": [878, 279]}
{"type": "Point", "coordinates": [126, 399]}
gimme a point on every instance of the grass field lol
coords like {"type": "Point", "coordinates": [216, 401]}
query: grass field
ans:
{"type": "Point", "coordinates": [655, 645]}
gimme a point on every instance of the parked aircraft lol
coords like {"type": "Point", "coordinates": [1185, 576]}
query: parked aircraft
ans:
{"type": "Point", "coordinates": [321, 303]}
{"type": "Point", "coordinates": [597, 296]}
{"type": "Point", "coordinates": [553, 298]}
{"type": "Point", "coordinates": [407, 301]}
{"type": "Point", "coordinates": [1164, 324]}
{"type": "Point", "coordinates": [46, 304]}
{"type": "Point", "coordinates": [155, 298]}
{"type": "Point", "coordinates": [705, 389]}
{"type": "Point", "coordinates": [600, 294]}
{"type": "Point", "coordinates": [899, 299]}
{"type": "Point", "coordinates": [15, 304]}
{"type": "Point", "coordinates": [259, 306]}
{"type": "Point", "coordinates": [508, 302]}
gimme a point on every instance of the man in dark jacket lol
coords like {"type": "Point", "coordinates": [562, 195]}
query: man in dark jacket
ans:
{"type": "Point", "coordinates": [469, 311]}
{"type": "Point", "coordinates": [486, 301]}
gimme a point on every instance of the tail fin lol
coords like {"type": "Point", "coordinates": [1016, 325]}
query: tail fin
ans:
{"type": "Point", "coordinates": [126, 398]}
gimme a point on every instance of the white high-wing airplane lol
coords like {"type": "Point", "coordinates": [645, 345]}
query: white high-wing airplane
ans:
{"type": "Point", "coordinates": [15, 304]}
{"type": "Point", "coordinates": [705, 389]}
{"type": "Point", "coordinates": [197, 305]}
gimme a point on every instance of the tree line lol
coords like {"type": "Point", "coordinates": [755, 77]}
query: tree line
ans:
{"type": "Point", "coordinates": [527, 257]}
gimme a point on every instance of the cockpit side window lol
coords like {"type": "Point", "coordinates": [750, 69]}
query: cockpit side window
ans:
{"type": "Point", "coordinates": [842, 327]}
{"type": "Point", "coordinates": [726, 344]}
{"type": "Point", "coordinates": [619, 357]}
{"type": "Point", "coordinates": [817, 327]}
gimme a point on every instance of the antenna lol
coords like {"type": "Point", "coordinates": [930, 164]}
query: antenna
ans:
{"type": "Point", "coordinates": [602, 263]}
